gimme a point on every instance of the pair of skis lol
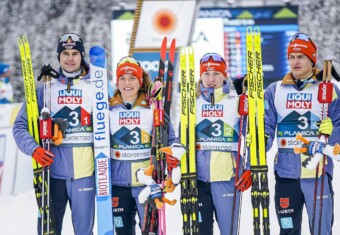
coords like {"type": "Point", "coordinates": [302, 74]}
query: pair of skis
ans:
{"type": "Point", "coordinates": [41, 175]}
{"type": "Point", "coordinates": [154, 220]}
{"type": "Point", "coordinates": [258, 161]}
{"type": "Point", "coordinates": [189, 191]}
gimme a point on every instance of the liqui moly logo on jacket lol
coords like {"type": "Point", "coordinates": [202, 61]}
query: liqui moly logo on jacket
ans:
{"type": "Point", "coordinates": [299, 101]}
{"type": "Point", "coordinates": [72, 97]}
{"type": "Point", "coordinates": [212, 110]}
{"type": "Point", "coordinates": [129, 118]}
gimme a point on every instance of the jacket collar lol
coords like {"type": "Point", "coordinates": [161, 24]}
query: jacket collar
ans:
{"type": "Point", "coordinates": [141, 100]}
{"type": "Point", "coordinates": [289, 80]}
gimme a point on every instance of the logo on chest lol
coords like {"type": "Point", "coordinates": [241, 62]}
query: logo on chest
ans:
{"type": "Point", "coordinates": [129, 118]}
{"type": "Point", "coordinates": [212, 110]}
{"type": "Point", "coordinates": [72, 97]}
{"type": "Point", "coordinates": [299, 101]}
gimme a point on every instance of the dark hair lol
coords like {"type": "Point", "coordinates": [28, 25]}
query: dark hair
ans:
{"type": "Point", "coordinates": [146, 82]}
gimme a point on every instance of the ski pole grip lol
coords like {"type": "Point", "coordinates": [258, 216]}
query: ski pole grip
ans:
{"type": "Point", "coordinates": [325, 93]}
{"type": "Point", "coordinates": [157, 118]}
{"type": "Point", "coordinates": [45, 128]}
{"type": "Point", "coordinates": [243, 105]}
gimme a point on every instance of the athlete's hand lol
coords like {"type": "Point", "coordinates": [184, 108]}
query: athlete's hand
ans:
{"type": "Point", "coordinates": [171, 161]}
{"type": "Point", "coordinates": [43, 157]}
{"type": "Point", "coordinates": [174, 154]}
{"type": "Point", "coordinates": [238, 84]}
{"type": "Point", "coordinates": [244, 182]}
{"type": "Point", "coordinates": [47, 70]}
{"type": "Point", "coordinates": [326, 126]}
{"type": "Point", "coordinates": [154, 90]}
{"type": "Point", "coordinates": [59, 128]}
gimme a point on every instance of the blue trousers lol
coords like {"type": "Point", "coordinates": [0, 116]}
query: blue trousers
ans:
{"type": "Point", "coordinates": [217, 198]}
{"type": "Point", "coordinates": [80, 193]}
{"type": "Point", "coordinates": [290, 197]}
{"type": "Point", "coordinates": [125, 206]}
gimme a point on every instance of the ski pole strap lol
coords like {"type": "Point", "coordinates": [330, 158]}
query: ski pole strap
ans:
{"type": "Point", "coordinates": [335, 74]}
{"type": "Point", "coordinates": [256, 169]}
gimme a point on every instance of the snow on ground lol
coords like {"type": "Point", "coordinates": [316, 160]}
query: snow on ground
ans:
{"type": "Point", "coordinates": [18, 213]}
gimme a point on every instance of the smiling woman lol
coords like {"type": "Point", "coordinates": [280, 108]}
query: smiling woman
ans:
{"type": "Point", "coordinates": [130, 79]}
{"type": "Point", "coordinates": [131, 129]}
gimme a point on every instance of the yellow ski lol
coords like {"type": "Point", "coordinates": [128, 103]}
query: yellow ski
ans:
{"type": "Point", "coordinates": [258, 161]}
{"type": "Point", "coordinates": [188, 138]}
{"type": "Point", "coordinates": [40, 179]}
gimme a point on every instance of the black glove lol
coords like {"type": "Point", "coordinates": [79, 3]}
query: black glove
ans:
{"type": "Point", "coordinates": [62, 124]}
{"type": "Point", "coordinates": [47, 70]}
{"type": "Point", "coordinates": [238, 84]}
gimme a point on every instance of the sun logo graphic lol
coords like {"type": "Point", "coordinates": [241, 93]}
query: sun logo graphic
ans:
{"type": "Point", "coordinates": [164, 21]}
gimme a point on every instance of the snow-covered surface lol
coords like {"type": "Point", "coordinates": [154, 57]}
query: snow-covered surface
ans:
{"type": "Point", "coordinates": [18, 213]}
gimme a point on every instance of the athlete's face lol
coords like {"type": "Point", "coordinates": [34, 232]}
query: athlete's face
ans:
{"type": "Point", "coordinates": [300, 65]}
{"type": "Point", "coordinates": [70, 60]}
{"type": "Point", "coordinates": [128, 86]}
{"type": "Point", "coordinates": [212, 79]}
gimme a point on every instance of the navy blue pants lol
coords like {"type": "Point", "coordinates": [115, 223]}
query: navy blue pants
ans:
{"type": "Point", "coordinates": [217, 198]}
{"type": "Point", "coordinates": [125, 206]}
{"type": "Point", "coordinates": [206, 225]}
{"type": "Point", "coordinates": [291, 195]}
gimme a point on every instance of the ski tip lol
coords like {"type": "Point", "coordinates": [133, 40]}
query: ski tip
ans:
{"type": "Point", "coordinates": [97, 56]}
{"type": "Point", "coordinates": [96, 50]}
{"type": "Point", "coordinates": [173, 43]}
{"type": "Point", "coordinates": [257, 30]}
{"type": "Point", "coordinates": [164, 42]}
{"type": "Point", "coordinates": [172, 50]}
{"type": "Point", "coordinates": [24, 39]}
{"type": "Point", "coordinates": [191, 50]}
{"type": "Point", "coordinates": [19, 41]}
{"type": "Point", "coordinates": [163, 49]}
{"type": "Point", "coordinates": [182, 50]}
